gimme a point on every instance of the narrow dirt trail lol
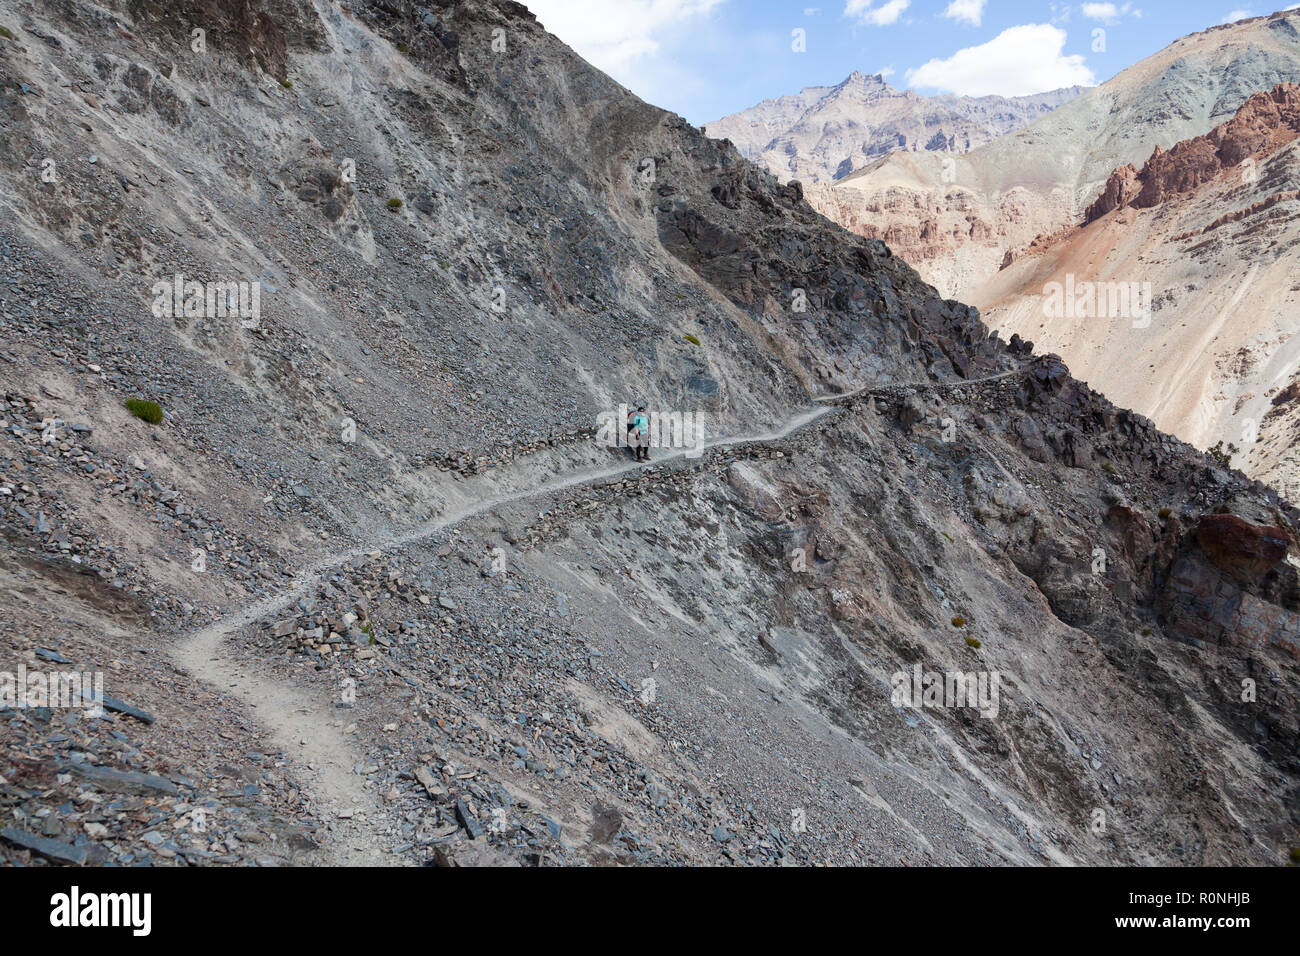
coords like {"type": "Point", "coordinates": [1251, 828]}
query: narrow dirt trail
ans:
{"type": "Point", "coordinates": [884, 390]}
{"type": "Point", "coordinates": [311, 731]}
{"type": "Point", "coordinates": [308, 731]}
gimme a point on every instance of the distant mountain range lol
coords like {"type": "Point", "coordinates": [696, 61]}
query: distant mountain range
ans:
{"type": "Point", "coordinates": [824, 133]}
{"type": "Point", "coordinates": [1179, 177]}
{"type": "Point", "coordinates": [959, 221]}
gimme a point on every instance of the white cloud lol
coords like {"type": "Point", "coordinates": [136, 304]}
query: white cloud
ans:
{"type": "Point", "coordinates": [1109, 13]}
{"type": "Point", "coordinates": [1017, 62]}
{"type": "Point", "coordinates": [1236, 15]}
{"type": "Point", "coordinates": [1106, 12]}
{"type": "Point", "coordinates": [614, 34]}
{"type": "Point", "coordinates": [886, 72]}
{"type": "Point", "coordinates": [881, 16]}
{"type": "Point", "coordinates": [966, 11]}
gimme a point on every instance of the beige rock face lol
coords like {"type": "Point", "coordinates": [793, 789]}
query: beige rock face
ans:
{"type": "Point", "coordinates": [956, 218]}
{"type": "Point", "coordinates": [954, 236]}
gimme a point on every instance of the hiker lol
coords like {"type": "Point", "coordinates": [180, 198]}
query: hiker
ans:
{"type": "Point", "coordinates": [1069, 453]}
{"type": "Point", "coordinates": [638, 433]}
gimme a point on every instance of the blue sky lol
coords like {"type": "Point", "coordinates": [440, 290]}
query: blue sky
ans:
{"type": "Point", "coordinates": [707, 58]}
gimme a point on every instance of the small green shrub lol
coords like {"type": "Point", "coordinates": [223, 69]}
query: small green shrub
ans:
{"type": "Point", "coordinates": [959, 621]}
{"type": "Point", "coordinates": [1295, 854]}
{"type": "Point", "coordinates": [1165, 513]}
{"type": "Point", "coordinates": [402, 47]}
{"type": "Point", "coordinates": [394, 203]}
{"type": "Point", "coordinates": [973, 642]}
{"type": "Point", "coordinates": [692, 339]}
{"type": "Point", "coordinates": [287, 84]}
{"type": "Point", "coordinates": [151, 412]}
{"type": "Point", "coordinates": [1108, 467]}
{"type": "Point", "coordinates": [4, 32]}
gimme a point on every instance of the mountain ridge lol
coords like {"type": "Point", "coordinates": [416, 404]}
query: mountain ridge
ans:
{"type": "Point", "coordinates": [1211, 226]}
{"type": "Point", "coordinates": [819, 133]}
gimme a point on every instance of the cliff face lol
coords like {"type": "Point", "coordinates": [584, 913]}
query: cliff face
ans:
{"type": "Point", "coordinates": [377, 563]}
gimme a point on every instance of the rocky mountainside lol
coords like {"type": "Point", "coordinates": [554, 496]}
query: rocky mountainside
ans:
{"type": "Point", "coordinates": [1210, 230]}
{"type": "Point", "coordinates": [824, 133]}
{"type": "Point", "coordinates": [368, 583]}
{"type": "Point", "coordinates": [959, 219]}
{"type": "Point", "coordinates": [1265, 123]}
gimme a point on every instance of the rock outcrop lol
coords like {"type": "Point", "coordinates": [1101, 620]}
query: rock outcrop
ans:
{"type": "Point", "coordinates": [1245, 550]}
{"type": "Point", "coordinates": [1265, 123]}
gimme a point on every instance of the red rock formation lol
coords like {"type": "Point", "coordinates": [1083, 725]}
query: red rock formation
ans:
{"type": "Point", "coordinates": [1265, 123]}
{"type": "Point", "coordinates": [1121, 189]}
{"type": "Point", "coordinates": [1244, 550]}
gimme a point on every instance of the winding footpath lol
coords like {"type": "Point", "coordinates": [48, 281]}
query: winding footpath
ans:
{"type": "Point", "coordinates": [310, 731]}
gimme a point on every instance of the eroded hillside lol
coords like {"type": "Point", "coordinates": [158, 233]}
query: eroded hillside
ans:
{"type": "Point", "coordinates": [1206, 233]}
{"type": "Point", "coordinates": [372, 590]}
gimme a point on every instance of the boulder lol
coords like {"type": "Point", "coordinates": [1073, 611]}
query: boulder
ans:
{"type": "Point", "coordinates": [911, 413]}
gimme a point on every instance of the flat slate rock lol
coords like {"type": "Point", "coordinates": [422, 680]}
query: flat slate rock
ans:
{"type": "Point", "coordinates": [468, 820]}
{"type": "Point", "coordinates": [428, 781]}
{"type": "Point", "coordinates": [112, 779]}
{"type": "Point", "coordinates": [112, 703]}
{"type": "Point", "coordinates": [120, 707]}
{"type": "Point", "coordinates": [52, 849]}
